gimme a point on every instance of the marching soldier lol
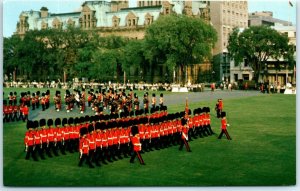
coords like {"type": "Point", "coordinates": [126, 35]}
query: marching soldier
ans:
{"type": "Point", "coordinates": [29, 141]}
{"type": "Point", "coordinates": [137, 146]}
{"type": "Point", "coordinates": [59, 134]}
{"type": "Point", "coordinates": [184, 135]}
{"type": "Point", "coordinates": [37, 98]}
{"type": "Point", "coordinates": [224, 126]}
{"type": "Point", "coordinates": [146, 103]}
{"type": "Point", "coordinates": [25, 113]}
{"type": "Point", "coordinates": [14, 98]}
{"type": "Point", "coordinates": [33, 100]}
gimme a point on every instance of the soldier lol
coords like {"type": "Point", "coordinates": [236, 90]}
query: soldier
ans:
{"type": "Point", "coordinates": [10, 98]}
{"type": "Point", "coordinates": [184, 135]}
{"type": "Point", "coordinates": [44, 137]}
{"type": "Point", "coordinates": [153, 101]}
{"type": "Point", "coordinates": [59, 134]}
{"type": "Point", "coordinates": [146, 103]}
{"type": "Point", "coordinates": [33, 100]}
{"type": "Point", "coordinates": [14, 98]}
{"type": "Point", "coordinates": [224, 126]}
{"type": "Point", "coordinates": [92, 144]}
{"type": "Point", "coordinates": [25, 113]}
{"type": "Point", "coordinates": [84, 148]}
{"type": "Point", "coordinates": [161, 100]}
{"type": "Point", "coordinates": [5, 111]}
{"type": "Point", "coordinates": [43, 102]}
{"type": "Point", "coordinates": [51, 141]}
{"type": "Point", "coordinates": [137, 146]}
{"type": "Point", "coordinates": [98, 139]}
{"type": "Point", "coordinates": [47, 99]}
{"type": "Point", "coordinates": [29, 141]}
{"type": "Point", "coordinates": [136, 103]}
{"type": "Point", "coordinates": [38, 140]}
{"type": "Point", "coordinates": [57, 101]}
{"type": "Point", "coordinates": [37, 98]}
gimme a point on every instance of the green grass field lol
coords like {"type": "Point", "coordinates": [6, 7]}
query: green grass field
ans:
{"type": "Point", "coordinates": [262, 153]}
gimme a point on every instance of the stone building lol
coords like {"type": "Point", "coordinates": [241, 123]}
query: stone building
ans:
{"type": "Point", "coordinates": [117, 18]}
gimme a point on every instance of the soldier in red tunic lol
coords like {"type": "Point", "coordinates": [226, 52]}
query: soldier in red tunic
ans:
{"type": "Point", "coordinates": [184, 135]}
{"type": "Point", "coordinates": [29, 141]}
{"type": "Point", "coordinates": [84, 148]}
{"type": "Point", "coordinates": [92, 145]}
{"type": "Point", "coordinates": [136, 144]}
{"type": "Point", "coordinates": [44, 137]}
{"type": "Point", "coordinates": [38, 140]}
{"type": "Point", "coordinates": [224, 126]}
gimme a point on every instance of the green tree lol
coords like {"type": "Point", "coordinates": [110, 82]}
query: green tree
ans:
{"type": "Point", "coordinates": [258, 44]}
{"type": "Point", "coordinates": [178, 41]}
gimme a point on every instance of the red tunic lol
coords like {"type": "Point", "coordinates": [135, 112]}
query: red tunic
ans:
{"type": "Point", "coordinates": [92, 141]}
{"type": "Point", "coordinates": [29, 138]}
{"type": "Point", "coordinates": [84, 145]}
{"type": "Point", "coordinates": [223, 123]}
{"type": "Point", "coordinates": [37, 138]}
{"type": "Point", "coordinates": [137, 146]}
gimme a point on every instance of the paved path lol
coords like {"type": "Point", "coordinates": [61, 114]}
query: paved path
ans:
{"type": "Point", "coordinates": [170, 99]}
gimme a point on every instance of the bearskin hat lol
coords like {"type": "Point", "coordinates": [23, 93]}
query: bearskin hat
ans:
{"type": "Point", "coordinates": [64, 121]}
{"type": "Point", "coordinates": [10, 93]}
{"type": "Point", "coordinates": [38, 93]}
{"type": "Point", "coordinates": [223, 114]}
{"type": "Point", "coordinates": [134, 130]}
{"type": "Point", "coordinates": [183, 121]}
{"type": "Point", "coordinates": [81, 119]}
{"type": "Point", "coordinates": [57, 121]}
{"type": "Point", "coordinates": [90, 128]}
{"type": "Point", "coordinates": [29, 124]}
{"type": "Point", "coordinates": [50, 122]}
{"type": "Point", "coordinates": [42, 122]}
{"type": "Point", "coordinates": [76, 120]}
{"type": "Point", "coordinates": [35, 124]}
{"type": "Point", "coordinates": [97, 125]}
{"type": "Point", "coordinates": [70, 120]}
{"type": "Point", "coordinates": [83, 131]}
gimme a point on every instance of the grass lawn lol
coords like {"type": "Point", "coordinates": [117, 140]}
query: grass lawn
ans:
{"type": "Point", "coordinates": [262, 153]}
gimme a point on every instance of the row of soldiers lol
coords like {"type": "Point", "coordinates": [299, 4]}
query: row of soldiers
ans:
{"type": "Point", "coordinates": [109, 140]}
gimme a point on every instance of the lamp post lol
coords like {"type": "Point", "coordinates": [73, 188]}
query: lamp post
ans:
{"type": "Point", "coordinates": [212, 76]}
{"type": "Point", "coordinates": [225, 58]}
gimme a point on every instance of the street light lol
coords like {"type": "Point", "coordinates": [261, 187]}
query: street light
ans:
{"type": "Point", "coordinates": [225, 58]}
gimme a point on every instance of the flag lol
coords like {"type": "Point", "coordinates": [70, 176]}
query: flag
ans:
{"type": "Point", "coordinates": [186, 109]}
{"type": "Point", "coordinates": [291, 4]}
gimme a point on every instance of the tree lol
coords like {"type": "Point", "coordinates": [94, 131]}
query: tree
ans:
{"type": "Point", "coordinates": [258, 44]}
{"type": "Point", "coordinates": [178, 41]}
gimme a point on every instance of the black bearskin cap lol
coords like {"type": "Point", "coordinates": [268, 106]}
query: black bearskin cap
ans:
{"type": "Point", "coordinates": [42, 122]}
{"type": "Point", "coordinates": [134, 130]}
{"type": "Point", "coordinates": [57, 121]}
{"type": "Point", "coordinates": [50, 122]}
{"type": "Point", "coordinates": [64, 121]}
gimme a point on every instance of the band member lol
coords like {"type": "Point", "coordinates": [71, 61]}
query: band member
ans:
{"type": "Point", "coordinates": [57, 101]}
{"type": "Point", "coordinates": [224, 126]}
{"type": "Point", "coordinates": [161, 100]}
{"type": "Point", "coordinates": [153, 101]}
{"type": "Point", "coordinates": [146, 103]}
{"type": "Point", "coordinates": [29, 141]}
{"type": "Point", "coordinates": [137, 146]}
{"type": "Point", "coordinates": [33, 101]}
{"type": "Point", "coordinates": [184, 135]}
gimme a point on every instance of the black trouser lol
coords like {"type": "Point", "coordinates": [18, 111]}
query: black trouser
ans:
{"type": "Point", "coordinates": [38, 149]}
{"type": "Point", "coordinates": [30, 151]}
{"type": "Point", "coordinates": [137, 153]}
{"type": "Point", "coordinates": [61, 147]}
{"type": "Point", "coordinates": [185, 142]}
{"type": "Point", "coordinates": [85, 157]}
{"type": "Point", "coordinates": [226, 133]}
{"type": "Point", "coordinates": [15, 116]}
{"type": "Point", "coordinates": [43, 107]}
{"type": "Point", "coordinates": [92, 156]}
{"type": "Point", "coordinates": [53, 147]}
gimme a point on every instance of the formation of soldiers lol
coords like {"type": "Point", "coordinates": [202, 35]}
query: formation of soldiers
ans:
{"type": "Point", "coordinates": [106, 138]}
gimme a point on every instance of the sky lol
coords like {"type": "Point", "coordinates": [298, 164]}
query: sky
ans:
{"type": "Point", "coordinates": [12, 9]}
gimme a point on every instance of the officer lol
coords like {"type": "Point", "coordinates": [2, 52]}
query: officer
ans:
{"type": "Point", "coordinates": [136, 144]}
{"type": "Point", "coordinates": [184, 135]}
{"type": "Point", "coordinates": [224, 126]}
